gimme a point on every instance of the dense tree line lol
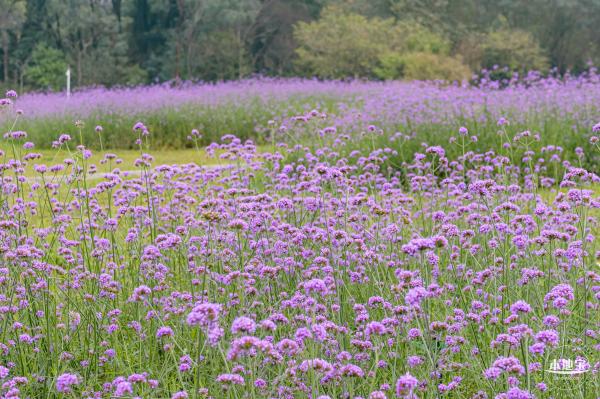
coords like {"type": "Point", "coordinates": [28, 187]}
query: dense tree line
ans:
{"type": "Point", "coordinates": [113, 42]}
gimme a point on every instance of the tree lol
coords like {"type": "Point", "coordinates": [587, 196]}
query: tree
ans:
{"type": "Point", "coordinates": [186, 39]}
{"type": "Point", "coordinates": [421, 55]}
{"type": "Point", "coordinates": [240, 16]}
{"type": "Point", "coordinates": [12, 16]}
{"type": "Point", "coordinates": [115, 42]}
{"type": "Point", "coordinates": [216, 36]}
{"type": "Point", "coordinates": [217, 57]}
{"type": "Point", "coordinates": [82, 27]}
{"type": "Point", "coordinates": [225, 41]}
{"type": "Point", "coordinates": [46, 68]}
{"type": "Point", "coordinates": [566, 30]}
{"type": "Point", "coordinates": [513, 48]}
{"type": "Point", "coordinates": [272, 45]}
{"type": "Point", "coordinates": [342, 44]}
{"type": "Point", "coordinates": [422, 66]}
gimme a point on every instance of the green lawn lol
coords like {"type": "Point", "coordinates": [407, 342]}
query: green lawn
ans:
{"type": "Point", "coordinates": [127, 158]}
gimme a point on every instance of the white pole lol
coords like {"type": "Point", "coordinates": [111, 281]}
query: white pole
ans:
{"type": "Point", "coordinates": [68, 82]}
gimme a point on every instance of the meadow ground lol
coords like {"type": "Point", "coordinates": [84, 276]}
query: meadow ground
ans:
{"type": "Point", "coordinates": [415, 241]}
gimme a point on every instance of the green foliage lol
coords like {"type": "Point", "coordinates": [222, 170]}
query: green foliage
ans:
{"type": "Point", "coordinates": [210, 41]}
{"type": "Point", "coordinates": [424, 66]}
{"type": "Point", "coordinates": [515, 49]}
{"type": "Point", "coordinates": [342, 44]}
{"type": "Point", "coordinates": [12, 16]}
{"type": "Point", "coordinates": [89, 35]}
{"type": "Point", "coordinates": [221, 55]}
{"type": "Point", "coordinates": [47, 68]}
{"type": "Point", "coordinates": [417, 38]}
{"type": "Point", "coordinates": [141, 41]}
{"type": "Point", "coordinates": [420, 54]}
{"type": "Point", "coordinates": [421, 66]}
{"type": "Point", "coordinates": [133, 75]}
{"type": "Point", "coordinates": [391, 65]}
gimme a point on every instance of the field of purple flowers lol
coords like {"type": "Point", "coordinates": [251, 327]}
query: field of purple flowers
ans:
{"type": "Point", "coordinates": [346, 261]}
{"type": "Point", "coordinates": [560, 109]}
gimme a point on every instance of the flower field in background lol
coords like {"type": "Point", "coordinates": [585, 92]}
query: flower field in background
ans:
{"type": "Point", "coordinates": [342, 258]}
{"type": "Point", "coordinates": [561, 109]}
